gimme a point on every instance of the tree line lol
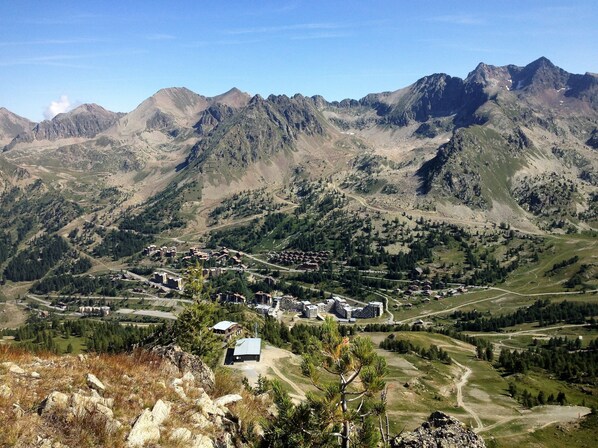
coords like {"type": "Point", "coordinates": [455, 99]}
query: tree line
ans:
{"type": "Point", "coordinates": [98, 336]}
{"type": "Point", "coordinates": [572, 366]}
{"type": "Point", "coordinates": [542, 311]}
{"type": "Point", "coordinates": [403, 346]}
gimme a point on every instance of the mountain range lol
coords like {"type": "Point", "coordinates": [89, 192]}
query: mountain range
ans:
{"type": "Point", "coordinates": [506, 144]}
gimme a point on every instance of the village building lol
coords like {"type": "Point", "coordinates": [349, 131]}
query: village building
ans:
{"type": "Point", "coordinates": [264, 310]}
{"type": "Point", "coordinates": [227, 328]}
{"type": "Point", "coordinates": [263, 298]}
{"type": "Point", "coordinates": [232, 297]}
{"type": "Point", "coordinates": [159, 277]}
{"type": "Point", "coordinates": [175, 283]}
{"type": "Point", "coordinates": [94, 310]}
{"type": "Point", "coordinates": [247, 349]}
{"type": "Point", "coordinates": [309, 266]}
{"type": "Point", "coordinates": [310, 311]}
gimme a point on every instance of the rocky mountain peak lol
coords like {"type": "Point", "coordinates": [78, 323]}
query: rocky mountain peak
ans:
{"type": "Point", "coordinates": [489, 77]}
{"type": "Point", "coordinates": [440, 430]}
{"type": "Point", "coordinates": [540, 75]}
{"type": "Point", "coordinates": [85, 121]}
{"type": "Point", "coordinates": [178, 98]}
{"type": "Point", "coordinates": [12, 125]}
{"type": "Point", "coordinates": [234, 98]}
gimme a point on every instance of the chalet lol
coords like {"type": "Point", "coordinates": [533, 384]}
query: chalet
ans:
{"type": "Point", "coordinates": [247, 349]}
{"type": "Point", "coordinates": [211, 272]}
{"type": "Point", "coordinates": [270, 281]}
{"type": "Point", "coordinates": [149, 250]}
{"type": "Point", "coordinates": [227, 328]}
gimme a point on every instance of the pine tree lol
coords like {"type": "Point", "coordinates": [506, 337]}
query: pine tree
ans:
{"type": "Point", "coordinates": [192, 330]}
{"type": "Point", "coordinates": [348, 399]}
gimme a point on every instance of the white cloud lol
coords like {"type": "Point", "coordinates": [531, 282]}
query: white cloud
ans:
{"type": "Point", "coordinates": [58, 107]}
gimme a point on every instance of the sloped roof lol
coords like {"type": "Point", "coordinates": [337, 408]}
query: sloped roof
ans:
{"type": "Point", "coordinates": [224, 325]}
{"type": "Point", "coordinates": [248, 346]}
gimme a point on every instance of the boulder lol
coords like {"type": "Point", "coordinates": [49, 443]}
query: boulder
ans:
{"type": "Point", "coordinates": [55, 401]}
{"type": "Point", "coordinates": [177, 385]}
{"type": "Point", "coordinates": [185, 362]}
{"type": "Point", "coordinates": [13, 368]}
{"type": "Point", "coordinates": [82, 405]}
{"type": "Point", "coordinates": [35, 375]}
{"type": "Point", "coordinates": [181, 436]}
{"type": "Point", "coordinates": [439, 431]}
{"type": "Point", "coordinates": [200, 421]}
{"type": "Point", "coordinates": [227, 399]}
{"type": "Point", "coordinates": [94, 383]}
{"type": "Point", "coordinates": [161, 411]}
{"type": "Point", "coordinates": [144, 431]}
{"type": "Point", "coordinates": [207, 406]}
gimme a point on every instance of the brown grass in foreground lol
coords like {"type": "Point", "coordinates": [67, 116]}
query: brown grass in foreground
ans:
{"type": "Point", "coordinates": [134, 381]}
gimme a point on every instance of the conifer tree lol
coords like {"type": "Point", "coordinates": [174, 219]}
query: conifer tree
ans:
{"type": "Point", "coordinates": [347, 401]}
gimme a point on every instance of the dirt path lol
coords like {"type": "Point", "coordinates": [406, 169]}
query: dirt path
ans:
{"type": "Point", "coordinates": [539, 294]}
{"type": "Point", "coordinates": [541, 332]}
{"type": "Point", "coordinates": [448, 310]}
{"type": "Point", "coordinates": [540, 417]}
{"type": "Point", "coordinates": [460, 385]}
{"type": "Point", "coordinates": [289, 381]}
{"type": "Point", "coordinates": [267, 366]}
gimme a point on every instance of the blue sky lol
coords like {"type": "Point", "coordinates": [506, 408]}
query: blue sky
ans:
{"type": "Point", "coordinates": [117, 53]}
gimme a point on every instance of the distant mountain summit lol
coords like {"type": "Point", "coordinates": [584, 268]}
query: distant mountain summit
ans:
{"type": "Point", "coordinates": [85, 121]}
{"type": "Point", "coordinates": [504, 141]}
{"type": "Point", "coordinates": [174, 109]}
{"type": "Point", "coordinates": [12, 125]}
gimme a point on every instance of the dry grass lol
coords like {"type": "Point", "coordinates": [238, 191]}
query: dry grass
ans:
{"type": "Point", "coordinates": [134, 381]}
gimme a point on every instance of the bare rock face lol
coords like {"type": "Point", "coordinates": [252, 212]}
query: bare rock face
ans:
{"type": "Point", "coordinates": [440, 431]}
{"type": "Point", "coordinates": [187, 363]}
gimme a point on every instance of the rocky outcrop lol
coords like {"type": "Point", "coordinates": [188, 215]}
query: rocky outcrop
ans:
{"type": "Point", "coordinates": [142, 399]}
{"type": "Point", "coordinates": [440, 431]}
{"type": "Point", "coordinates": [177, 361]}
